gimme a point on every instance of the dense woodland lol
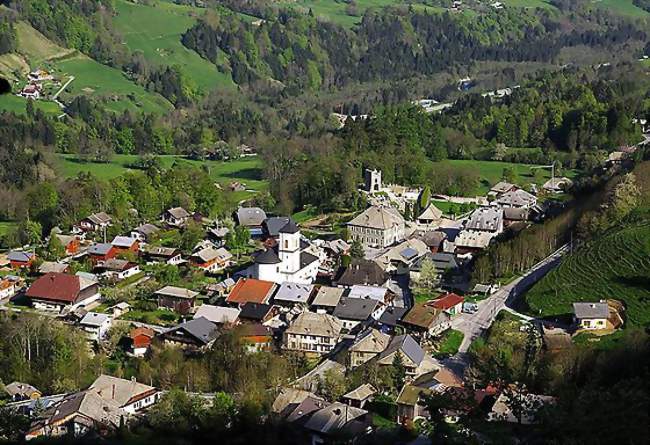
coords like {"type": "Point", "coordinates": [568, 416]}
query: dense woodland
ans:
{"type": "Point", "coordinates": [305, 53]}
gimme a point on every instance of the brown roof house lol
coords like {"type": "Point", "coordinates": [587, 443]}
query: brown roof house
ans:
{"type": "Point", "coordinates": [368, 345]}
{"type": "Point", "coordinates": [177, 299]}
{"type": "Point", "coordinates": [312, 333]}
{"type": "Point", "coordinates": [426, 320]}
{"type": "Point", "coordinates": [106, 405]}
{"type": "Point", "coordinates": [22, 391]}
{"type": "Point", "coordinates": [56, 291]}
{"type": "Point", "coordinates": [250, 290]}
{"type": "Point", "coordinates": [176, 216]}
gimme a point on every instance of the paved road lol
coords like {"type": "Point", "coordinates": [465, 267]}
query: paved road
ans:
{"type": "Point", "coordinates": [474, 325]}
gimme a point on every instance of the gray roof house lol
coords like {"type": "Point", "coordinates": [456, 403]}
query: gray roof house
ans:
{"type": "Point", "coordinates": [591, 310]}
{"type": "Point", "coordinates": [517, 198]}
{"type": "Point", "coordinates": [198, 333]}
{"type": "Point", "coordinates": [327, 297]}
{"type": "Point", "coordinates": [293, 293]}
{"type": "Point", "coordinates": [410, 350]}
{"type": "Point", "coordinates": [486, 219]}
{"type": "Point", "coordinates": [274, 224]}
{"type": "Point", "coordinates": [250, 216]}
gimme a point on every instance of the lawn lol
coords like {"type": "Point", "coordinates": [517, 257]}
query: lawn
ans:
{"type": "Point", "coordinates": [528, 3]}
{"type": "Point", "coordinates": [449, 343]}
{"type": "Point", "coordinates": [491, 172]}
{"type": "Point", "coordinates": [95, 79]}
{"type": "Point", "coordinates": [18, 105]}
{"type": "Point", "coordinates": [157, 30]}
{"type": "Point", "coordinates": [622, 7]}
{"type": "Point", "coordinates": [615, 265]}
{"type": "Point", "coordinates": [6, 226]}
{"type": "Point", "coordinates": [35, 46]}
{"type": "Point", "coordinates": [336, 10]}
{"type": "Point", "coordinates": [449, 208]}
{"type": "Point", "coordinates": [246, 170]}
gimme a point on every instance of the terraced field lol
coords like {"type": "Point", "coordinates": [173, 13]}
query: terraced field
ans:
{"type": "Point", "coordinates": [616, 265]}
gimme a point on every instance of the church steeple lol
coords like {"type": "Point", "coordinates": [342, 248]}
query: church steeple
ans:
{"type": "Point", "coordinates": [289, 248]}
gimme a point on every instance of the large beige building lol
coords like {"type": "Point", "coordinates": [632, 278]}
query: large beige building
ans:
{"type": "Point", "coordinates": [313, 333]}
{"type": "Point", "coordinates": [377, 227]}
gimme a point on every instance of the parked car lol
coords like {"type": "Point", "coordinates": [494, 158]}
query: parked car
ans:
{"type": "Point", "coordinates": [470, 308]}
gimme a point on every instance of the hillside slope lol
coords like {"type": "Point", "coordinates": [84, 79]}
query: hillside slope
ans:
{"type": "Point", "coordinates": [615, 265]}
{"type": "Point", "coordinates": [157, 30]}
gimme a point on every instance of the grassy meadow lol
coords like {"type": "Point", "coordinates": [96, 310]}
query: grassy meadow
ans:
{"type": "Point", "coordinates": [491, 172]}
{"type": "Point", "coordinates": [157, 30]}
{"type": "Point", "coordinates": [245, 170]}
{"type": "Point", "coordinates": [616, 265]}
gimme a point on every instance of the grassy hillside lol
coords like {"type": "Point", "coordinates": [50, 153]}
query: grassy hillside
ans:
{"type": "Point", "coordinates": [99, 80]}
{"type": "Point", "coordinates": [491, 172]}
{"type": "Point", "coordinates": [246, 170]}
{"type": "Point", "coordinates": [622, 7]}
{"type": "Point", "coordinates": [156, 31]}
{"type": "Point", "coordinates": [614, 265]}
{"type": "Point", "coordinates": [18, 105]}
{"type": "Point", "coordinates": [35, 46]}
{"type": "Point", "coordinates": [336, 10]}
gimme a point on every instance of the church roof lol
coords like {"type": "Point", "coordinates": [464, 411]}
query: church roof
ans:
{"type": "Point", "coordinates": [290, 227]}
{"type": "Point", "coordinates": [267, 256]}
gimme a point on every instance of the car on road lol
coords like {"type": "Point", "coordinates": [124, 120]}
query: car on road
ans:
{"type": "Point", "coordinates": [470, 308]}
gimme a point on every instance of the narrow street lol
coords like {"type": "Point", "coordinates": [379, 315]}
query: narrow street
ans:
{"type": "Point", "coordinates": [474, 325]}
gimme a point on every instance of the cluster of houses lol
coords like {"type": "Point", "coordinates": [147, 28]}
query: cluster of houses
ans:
{"type": "Point", "coordinates": [34, 87]}
{"type": "Point", "coordinates": [295, 294]}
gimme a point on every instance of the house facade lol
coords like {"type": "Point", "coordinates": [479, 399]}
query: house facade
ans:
{"type": "Point", "coordinates": [312, 333]}
{"type": "Point", "coordinates": [377, 227]}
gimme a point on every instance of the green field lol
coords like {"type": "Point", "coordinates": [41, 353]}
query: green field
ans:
{"type": "Point", "coordinates": [95, 79]}
{"type": "Point", "coordinates": [18, 105]}
{"type": "Point", "coordinates": [156, 31]}
{"type": "Point", "coordinates": [335, 11]}
{"type": "Point", "coordinates": [528, 3]}
{"type": "Point", "coordinates": [614, 266]}
{"type": "Point", "coordinates": [6, 226]}
{"type": "Point", "coordinates": [622, 7]}
{"type": "Point", "coordinates": [449, 343]}
{"type": "Point", "coordinates": [246, 170]}
{"type": "Point", "coordinates": [491, 172]}
{"type": "Point", "coordinates": [35, 46]}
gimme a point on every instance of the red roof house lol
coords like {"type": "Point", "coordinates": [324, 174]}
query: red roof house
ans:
{"type": "Point", "coordinates": [250, 290]}
{"type": "Point", "coordinates": [54, 291]}
{"type": "Point", "coordinates": [450, 303]}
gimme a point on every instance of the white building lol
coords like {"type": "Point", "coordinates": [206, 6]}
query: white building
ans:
{"type": "Point", "coordinates": [372, 180]}
{"type": "Point", "coordinates": [291, 262]}
{"type": "Point", "coordinates": [96, 325]}
{"type": "Point", "coordinates": [377, 227]}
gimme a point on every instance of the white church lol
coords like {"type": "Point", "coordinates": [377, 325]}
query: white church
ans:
{"type": "Point", "coordinates": [289, 261]}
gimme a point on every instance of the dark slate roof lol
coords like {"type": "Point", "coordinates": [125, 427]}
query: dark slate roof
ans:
{"type": "Point", "coordinates": [254, 311]}
{"type": "Point", "coordinates": [99, 248]}
{"type": "Point", "coordinates": [274, 224]}
{"type": "Point", "coordinates": [306, 259]}
{"type": "Point", "coordinates": [267, 256]}
{"type": "Point", "coordinates": [200, 328]}
{"type": "Point", "coordinates": [392, 315]}
{"type": "Point", "coordinates": [407, 345]}
{"type": "Point", "coordinates": [20, 256]}
{"type": "Point", "coordinates": [441, 260]}
{"type": "Point", "coordinates": [290, 227]}
{"type": "Point", "coordinates": [355, 309]}
{"type": "Point", "coordinates": [362, 271]}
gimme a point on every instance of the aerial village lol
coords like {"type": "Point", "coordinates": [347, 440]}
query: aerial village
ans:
{"type": "Point", "coordinates": [341, 302]}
